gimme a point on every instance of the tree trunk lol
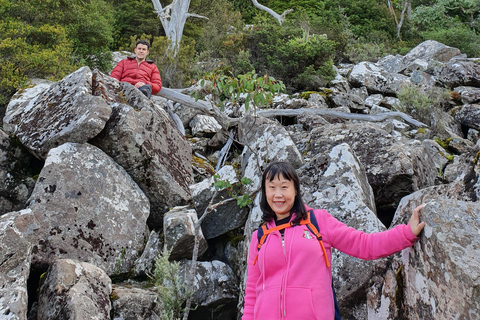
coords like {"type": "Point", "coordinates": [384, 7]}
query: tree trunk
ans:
{"type": "Point", "coordinates": [173, 18]}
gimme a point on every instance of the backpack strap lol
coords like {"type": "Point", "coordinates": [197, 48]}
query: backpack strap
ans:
{"type": "Point", "coordinates": [263, 232]}
{"type": "Point", "coordinates": [312, 225]}
{"type": "Point", "coordinates": [310, 222]}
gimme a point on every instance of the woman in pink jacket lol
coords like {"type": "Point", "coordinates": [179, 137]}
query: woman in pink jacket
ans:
{"type": "Point", "coordinates": [289, 278]}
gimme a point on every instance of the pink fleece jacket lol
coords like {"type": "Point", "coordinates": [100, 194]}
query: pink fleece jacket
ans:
{"type": "Point", "coordinates": [292, 282]}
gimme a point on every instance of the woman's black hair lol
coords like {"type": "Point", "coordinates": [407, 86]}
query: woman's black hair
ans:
{"type": "Point", "coordinates": [287, 171]}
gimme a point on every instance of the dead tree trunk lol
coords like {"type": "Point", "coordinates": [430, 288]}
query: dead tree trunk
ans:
{"type": "Point", "coordinates": [173, 18]}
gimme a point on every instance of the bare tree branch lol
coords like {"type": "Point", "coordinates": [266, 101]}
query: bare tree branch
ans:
{"type": "Point", "coordinates": [279, 18]}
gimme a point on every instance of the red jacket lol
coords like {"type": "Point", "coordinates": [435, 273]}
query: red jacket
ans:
{"type": "Point", "coordinates": [128, 70]}
{"type": "Point", "coordinates": [292, 281]}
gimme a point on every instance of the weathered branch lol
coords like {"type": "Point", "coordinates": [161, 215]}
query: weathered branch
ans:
{"type": "Point", "coordinates": [228, 122]}
{"type": "Point", "coordinates": [194, 15]}
{"type": "Point", "coordinates": [277, 16]}
{"type": "Point", "coordinates": [351, 116]}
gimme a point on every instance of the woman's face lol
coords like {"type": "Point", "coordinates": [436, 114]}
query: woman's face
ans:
{"type": "Point", "coordinates": [280, 194]}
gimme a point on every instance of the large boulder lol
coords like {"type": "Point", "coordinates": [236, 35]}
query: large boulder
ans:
{"type": "Point", "coordinates": [460, 72]}
{"type": "Point", "coordinates": [130, 302]}
{"type": "Point", "coordinates": [74, 290]}
{"type": "Point", "coordinates": [16, 229]}
{"type": "Point", "coordinates": [336, 181]}
{"type": "Point", "coordinates": [394, 167]}
{"type": "Point", "coordinates": [179, 233]}
{"type": "Point", "coordinates": [88, 209]}
{"type": "Point", "coordinates": [215, 291]}
{"type": "Point", "coordinates": [153, 152]}
{"type": "Point", "coordinates": [376, 79]}
{"type": "Point", "coordinates": [267, 141]}
{"type": "Point", "coordinates": [227, 216]}
{"type": "Point", "coordinates": [431, 51]}
{"type": "Point", "coordinates": [66, 112]}
{"type": "Point", "coordinates": [438, 278]}
{"type": "Point", "coordinates": [17, 167]}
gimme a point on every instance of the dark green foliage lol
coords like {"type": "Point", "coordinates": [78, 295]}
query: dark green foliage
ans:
{"type": "Point", "coordinates": [134, 18]}
{"type": "Point", "coordinates": [289, 53]}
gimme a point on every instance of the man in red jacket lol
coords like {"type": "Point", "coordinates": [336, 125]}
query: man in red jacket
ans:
{"type": "Point", "coordinates": [138, 71]}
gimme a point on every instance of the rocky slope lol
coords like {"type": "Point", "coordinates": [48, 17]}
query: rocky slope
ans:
{"type": "Point", "coordinates": [97, 179]}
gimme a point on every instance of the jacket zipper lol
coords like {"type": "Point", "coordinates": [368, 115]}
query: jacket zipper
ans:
{"type": "Point", "coordinates": [282, 309]}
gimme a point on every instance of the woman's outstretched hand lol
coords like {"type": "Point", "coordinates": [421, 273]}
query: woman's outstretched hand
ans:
{"type": "Point", "coordinates": [415, 223]}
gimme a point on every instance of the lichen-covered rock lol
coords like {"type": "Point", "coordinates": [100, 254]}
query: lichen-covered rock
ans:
{"type": "Point", "coordinates": [145, 264]}
{"type": "Point", "coordinates": [268, 141]}
{"type": "Point", "coordinates": [439, 276]}
{"type": "Point", "coordinates": [203, 125]}
{"type": "Point", "coordinates": [16, 229]}
{"type": "Point", "coordinates": [227, 216]}
{"type": "Point", "coordinates": [460, 72]}
{"type": "Point", "coordinates": [131, 302]}
{"type": "Point", "coordinates": [376, 79]}
{"type": "Point", "coordinates": [153, 152]}
{"type": "Point", "coordinates": [74, 290]}
{"type": "Point", "coordinates": [468, 95]}
{"type": "Point", "coordinates": [469, 116]}
{"type": "Point", "coordinates": [179, 233]}
{"type": "Point", "coordinates": [215, 290]}
{"type": "Point", "coordinates": [66, 112]}
{"type": "Point", "coordinates": [20, 100]}
{"type": "Point", "coordinates": [394, 167]}
{"type": "Point", "coordinates": [336, 181]}
{"type": "Point", "coordinates": [17, 166]}
{"type": "Point", "coordinates": [88, 209]}
{"type": "Point", "coordinates": [431, 50]}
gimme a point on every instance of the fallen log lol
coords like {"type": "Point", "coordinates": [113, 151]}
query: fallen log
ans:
{"type": "Point", "coordinates": [228, 122]}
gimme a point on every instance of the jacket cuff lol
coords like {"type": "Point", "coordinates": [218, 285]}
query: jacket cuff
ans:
{"type": "Point", "coordinates": [407, 231]}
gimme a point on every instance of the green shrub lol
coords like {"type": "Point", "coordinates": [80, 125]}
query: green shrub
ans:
{"type": "Point", "coordinates": [288, 51]}
{"type": "Point", "coordinates": [176, 72]}
{"type": "Point", "coordinates": [28, 51]}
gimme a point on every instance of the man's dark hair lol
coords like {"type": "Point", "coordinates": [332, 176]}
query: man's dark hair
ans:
{"type": "Point", "coordinates": [287, 171]}
{"type": "Point", "coordinates": [144, 42]}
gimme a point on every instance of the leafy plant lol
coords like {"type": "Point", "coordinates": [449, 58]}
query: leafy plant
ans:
{"type": "Point", "coordinates": [170, 286]}
{"type": "Point", "coordinates": [256, 90]}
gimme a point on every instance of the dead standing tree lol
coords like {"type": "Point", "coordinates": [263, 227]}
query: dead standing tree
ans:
{"type": "Point", "coordinates": [173, 18]}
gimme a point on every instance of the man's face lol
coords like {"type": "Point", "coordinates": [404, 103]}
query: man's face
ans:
{"type": "Point", "coordinates": [141, 51]}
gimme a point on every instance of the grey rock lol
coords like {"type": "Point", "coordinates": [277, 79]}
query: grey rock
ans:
{"type": "Point", "coordinates": [431, 50]}
{"type": "Point", "coordinates": [215, 289]}
{"type": "Point", "coordinates": [469, 95]}
{"type": "Point", "coordinates": [21, 100]}
{"type": "Point", "coordinates": [440, 273]}
{"type": "Point", "coordinates": [469, 116]}
{"type": "Point", "coordinates": [88, 209]}
{"type": "Point", "coordinates": [145, 264]}
{"type": "Point", "coordinates": [351, 101]}
{"type": "Point", "coordinates": [394, 168]}
{"type": "Point", "coordinates": [179, 233]}
{"type": "Point", "coordinates": [391, 63]}
{"type": "Point", "coordinates": [131, 302]}
{"type": "Point", "coordinates": [374, 100]}
{"type": "Point", "coordinates": [153, 152]}
{"type": "Point", "coordinates": [16, 229]}
{"type": "Point", "coordinates": [203, 125]}
{"type": "Point", "coordinates": [17, 166]}
{"type": "Point", "coordinates": [376, 79]}
{"type": "Point", "coordinates": [336, 181]}
{"type": "Point", "coordinates": [261, 135]}
{"type": "Point", "coordinates": [227, 216]}
{"type": "Point", "coordinates": [74, 290]}
{"type": "Point", "coordinates": [437, 153]}
{"type": "Point", "coordinates": [66, 112]}
{"type": "Point", "coordinates": [460, 72]}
